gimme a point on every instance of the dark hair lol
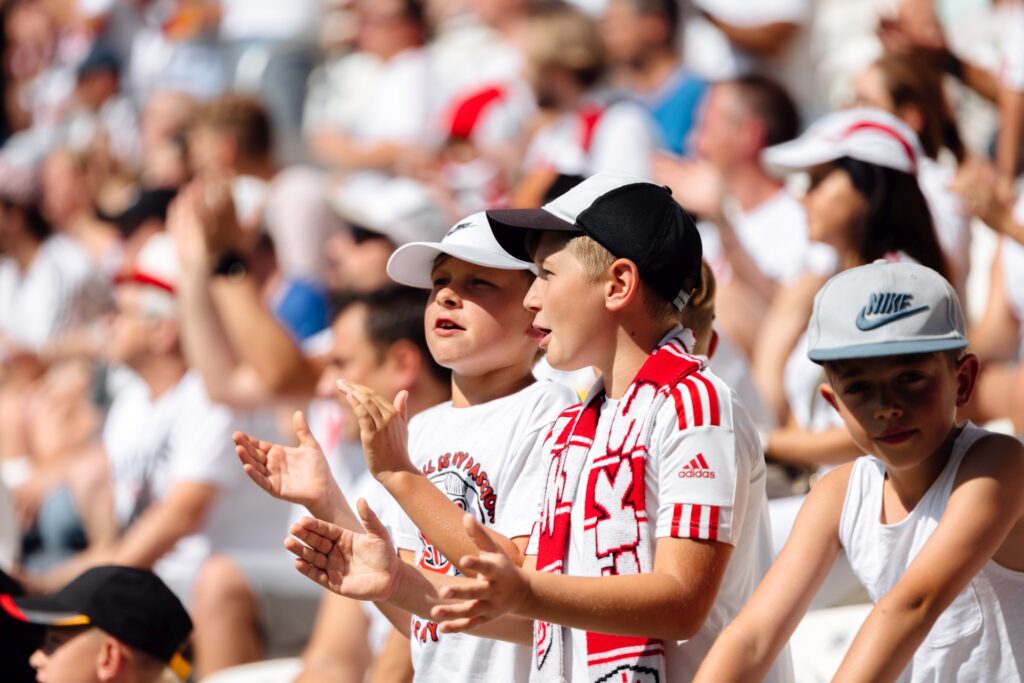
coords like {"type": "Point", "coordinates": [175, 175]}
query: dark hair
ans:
{"type": "Point", "coordinates": [243, 117]}
{"type": "Point", "coordinates": [910, 80]}
{"type": "Point", "coordinates": [35, 223]}
{"type": "Point", "coordinates": [666, 9]}
{"type": "Point", "coordinates": [897, 218]}
{"type": "Point", "coordinates": [772, 104]}
{"type": "Point", "coordinates": [394, 313]}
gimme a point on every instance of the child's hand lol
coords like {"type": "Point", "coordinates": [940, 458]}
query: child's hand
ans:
{"type": "Point", "coordinates": [383, 428]}
{"type": "Point", "coordinates": [297, 474]}
{"type": "Point", "coordinates": [500, 586]}
{"type": "Point", "coordinates": [359, 566]}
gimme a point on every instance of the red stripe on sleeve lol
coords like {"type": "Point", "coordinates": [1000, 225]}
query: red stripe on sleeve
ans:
{"type": "Point", "coordinates": [677, 396]}
{"type": "Point", "coordinates": [698, 406]}
{"type": "Point", "coordinates": [715, 417]}
{"type": "Point", "coordinates": [695, 521]}
{"type": "Point", "coordinates": [677, 513]}
{"type": "Point", "coordinates": [713, 524]}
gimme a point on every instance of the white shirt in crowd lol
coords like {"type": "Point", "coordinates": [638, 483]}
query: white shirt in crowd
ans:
{"type": "Point", "coordinates": [952, 221]}
{"type": "Point", "coordinates": [603, 136]}
{"type": "Point", "coordinates": [487, 460]}
{"type": "Point", "coordinates": [56, 292]}
{"type": "Point", "coordinates": [774, 234]}
{"type": "Point", "coordinates": [296, 20]}
{"type": "Point", "coordinates": [976, 638]}
{"type": "Point", "coordinates": [731, 452]}
{"type": "Point", "coordinates": [181, 436]}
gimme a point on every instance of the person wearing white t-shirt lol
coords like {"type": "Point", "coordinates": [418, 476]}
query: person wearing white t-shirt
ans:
{"type": "Point", "coordinates": [174, 491]}
{"type": "Point", "coordinates": [247, 607]}
{"type": "Point", "coordinates": [588, 130]}
{"type": "Point", "coordinates": [477, 453]}
{"type": "Point", "coordinates": [754, 232]}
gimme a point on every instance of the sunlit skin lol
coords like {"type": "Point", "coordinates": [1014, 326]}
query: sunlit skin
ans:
{"type": "Point", "coordinates": [902, 409]}
{"type": "Point", "coordinates": [568, 308]}
{"type": "Point", "coordinates": [833, 207]}
{"type": "Point", "coordinates": [353, 358]}
{"type": "Point", "coordinates": [477, 327]}
{"type": "Point", "coordinates": [73, 653]}
{"type": "Point", "coordinates": [869, 90]}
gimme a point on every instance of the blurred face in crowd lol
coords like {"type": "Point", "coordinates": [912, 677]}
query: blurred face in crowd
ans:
{"type": "Point", "coordinates": [65, 188]}
{"type": "Point", "coordinates": [629, 35]}
{"type": "Point", "coordinates": [356, 359]}
{"type": "Point", "coordinates": [728, 136]}
{"type": "Point", "coordinates": [96, 88]}
{"type": "Point", "coordinates": [68, 655]}
{"type": "Point", "coordinates": [496, 12]}
{"type": "Point", "coordinates": [358, 260]}
{"type": "Point", "coordinates": [386, 29]}
{"type": "Point", "coordinates": [137, 331]}
{"type": "Point", "coordinates": [475, 321]}
{"type": "Point", "coordinates": [211, 151]}
{"type": "Point", "coordinates": [834, 207]}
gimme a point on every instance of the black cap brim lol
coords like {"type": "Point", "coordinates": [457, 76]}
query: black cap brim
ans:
{"type": "Point", "coordinates": [510, 228]}
{"type": "Point", "coordinates": [42, 611]}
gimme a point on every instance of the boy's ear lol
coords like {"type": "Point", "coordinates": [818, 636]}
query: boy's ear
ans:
{"type": "Point", "coordinates": [829, 394]}
{"type": "Point", "coordinates": [967, 370]}
{"type": "Point", "coordinates": [109, 659]}
{"type": "Point", "coordinates": [623, 284]}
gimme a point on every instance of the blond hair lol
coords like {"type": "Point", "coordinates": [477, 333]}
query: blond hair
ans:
{"type": "Point", "coordinates": [560, 35]}
{"type": "Point", "coordinates": [699, 313]}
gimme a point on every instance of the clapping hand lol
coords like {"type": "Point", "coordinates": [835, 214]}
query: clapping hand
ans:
{"type": "Point", "coordinates": [361, 566]}
{"type": "Point", "coordinates": [383, 429]}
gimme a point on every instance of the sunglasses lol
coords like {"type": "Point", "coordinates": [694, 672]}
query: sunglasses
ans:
{"type": "Point", "coordinates": [55, 638]}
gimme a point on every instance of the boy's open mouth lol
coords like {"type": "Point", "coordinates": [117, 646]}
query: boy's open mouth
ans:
{"type": "Point", "coordinates": [541, 334]}
{"type": "Point", "coordinates": [447, 324]}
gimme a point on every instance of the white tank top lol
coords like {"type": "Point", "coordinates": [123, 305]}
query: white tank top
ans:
{"type": "Point", "coordinates": [980, 636]}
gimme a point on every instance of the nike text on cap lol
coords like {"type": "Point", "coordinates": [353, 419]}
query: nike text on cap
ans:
{"type": "Point", "coordinates": [468, 240]}
{"type": "Point", "coordinates": [133, 605]}
{"type": "Point", "coordinates": [870, 135]}
{"type": "Point", "coordinates": [885, 309]}
{"type": "Point", "coordinates": [630, 217]}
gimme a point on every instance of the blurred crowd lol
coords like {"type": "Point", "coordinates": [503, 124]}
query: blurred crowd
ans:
{"type": "Point", "coordinates": [198, 199]}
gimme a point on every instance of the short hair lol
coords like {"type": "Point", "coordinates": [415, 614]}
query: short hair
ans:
{"type": "Point", "coordinates": [560, 35]}
{"type": "Point", "coordinates": [596, 260]}
{"type": "Point", "coordinates": [771, 103]}
{"type": "Point", "coordinates": [666, 9]}
{"type": "Point", "coordinates": [394, 313]}
{"type": "Point", "coordinates": [699, 313]}
{"type": "Point", "coordinates": [243, 117]}
{"type": "Point", "coordinates": [36, 224]}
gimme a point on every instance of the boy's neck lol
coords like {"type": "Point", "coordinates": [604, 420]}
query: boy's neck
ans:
{"type": "Point", "coordinates": [473, 390]}
{"type": "Point", "coordinates": [632, 348]}
{"type": "Point", "coordinates": [911, 485]}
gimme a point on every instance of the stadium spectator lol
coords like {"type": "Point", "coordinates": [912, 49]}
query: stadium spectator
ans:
{"type": "Point", "coordinates": [111, 624]}
{"type": "Point", "coordinates": [641, 39]}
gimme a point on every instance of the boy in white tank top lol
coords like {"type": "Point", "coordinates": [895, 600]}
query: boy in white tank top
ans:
{"type": "Point", "coordinates": [932, 520]}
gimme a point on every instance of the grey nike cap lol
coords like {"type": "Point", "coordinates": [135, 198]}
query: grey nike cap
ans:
{"type": "Point", "coordinates": [885, 309]}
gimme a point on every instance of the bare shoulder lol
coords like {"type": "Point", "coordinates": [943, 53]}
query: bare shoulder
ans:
{"type": "Point", "coordinates": [995, 455]}
{"type": "Point", "coordinates": [833, 485]}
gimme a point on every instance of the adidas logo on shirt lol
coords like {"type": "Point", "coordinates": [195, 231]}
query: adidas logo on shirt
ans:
{"type": "Point", "coordinates": [697, 469]}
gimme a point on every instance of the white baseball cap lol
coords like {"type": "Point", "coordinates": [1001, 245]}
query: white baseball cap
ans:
{"type": "Point", "coordinates": [399, 208]}
{"type": "Point", "coordinates": [468, 240]}
{"type": "Point", "coordinates": [885, 309]}
{"type": "Point", "coordinates": [871, 135]}
{"type": "Point", "coordinates": [156, 265]}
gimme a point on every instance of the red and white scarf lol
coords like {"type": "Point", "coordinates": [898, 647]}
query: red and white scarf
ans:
{"type": "Point", "coordinates": [615, 528]}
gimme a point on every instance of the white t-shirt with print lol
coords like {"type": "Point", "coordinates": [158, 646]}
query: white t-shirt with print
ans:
{"type": "Point", "coordinates": [181, 436]}
{"type": "Point", "coordinates": [703, 481]}
{"type": "Point", "coordinates": [487, 460]}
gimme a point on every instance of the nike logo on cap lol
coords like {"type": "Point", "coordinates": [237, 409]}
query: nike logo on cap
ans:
{"type": "Point", "coordinates": [890, 306]}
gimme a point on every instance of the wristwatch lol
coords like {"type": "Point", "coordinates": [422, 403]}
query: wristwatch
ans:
{"type": "Point", "coordinates": [231, 264]}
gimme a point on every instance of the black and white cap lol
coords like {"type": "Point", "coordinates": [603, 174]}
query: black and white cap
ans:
{"type": "Point", "coordinates": [630, 217]}
{"type": "Point", "coordinates": [885, 309]}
